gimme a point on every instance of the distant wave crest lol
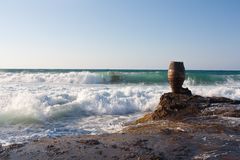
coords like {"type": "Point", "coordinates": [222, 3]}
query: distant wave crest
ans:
{"type": "Point", "coordinates": [112, 77]}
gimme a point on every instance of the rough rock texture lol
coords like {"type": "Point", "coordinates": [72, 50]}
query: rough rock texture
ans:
{"type": "Point", "coordinates": [194, 139]}
{"type": "Point", "coordinates": [185, 91]}
{"type": "Point", "coordinates": [178, 106]}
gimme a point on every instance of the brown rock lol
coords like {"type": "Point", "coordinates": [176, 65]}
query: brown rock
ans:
{"type": "Point", "coordinates": [178, 106]}
{"type": "Point", "coordinates": [90, 142]}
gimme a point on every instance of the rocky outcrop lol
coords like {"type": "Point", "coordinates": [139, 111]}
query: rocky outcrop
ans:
{"type": "Point", "coordinates": [178, 106]}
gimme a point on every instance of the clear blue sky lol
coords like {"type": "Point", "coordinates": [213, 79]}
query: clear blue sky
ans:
{"type": "Point", "coordinates": [205, 34]}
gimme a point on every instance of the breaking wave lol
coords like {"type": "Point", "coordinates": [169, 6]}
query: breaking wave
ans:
{"type": "Point", "coordinates": [117, 77]}
{"type": "Point", "coordinates": [39, 103]}
{"type": "Point", "coordinates": [46, 105]}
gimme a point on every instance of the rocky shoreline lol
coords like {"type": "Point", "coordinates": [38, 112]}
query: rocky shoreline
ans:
{"type": "Point", "coordinates": [182, 127]}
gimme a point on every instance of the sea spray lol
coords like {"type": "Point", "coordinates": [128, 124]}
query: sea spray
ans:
{"type": "Point", "coordinates": [78, 101]}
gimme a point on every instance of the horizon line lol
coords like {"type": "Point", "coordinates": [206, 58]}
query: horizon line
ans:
{"type": "Point", "coordinates": [113, 69]}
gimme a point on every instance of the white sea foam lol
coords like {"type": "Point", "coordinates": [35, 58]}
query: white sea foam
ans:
{"type": "Point", "coordinates": [47, 77]}
{"type": "Point", "coordinates": [37, 102]}
{"type": "Point", "coordinates": [34, 105]}
{"type": "Point", "coordinates": [223, 90]}
{"type": "Point", "coordinates": [30, 111]}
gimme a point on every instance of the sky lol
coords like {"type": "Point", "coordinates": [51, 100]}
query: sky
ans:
{"type": "Point", "coordinates": [120, 34]}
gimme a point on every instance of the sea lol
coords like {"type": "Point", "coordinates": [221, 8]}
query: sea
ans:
{"type": "Point", "coordinates": [36, 103]}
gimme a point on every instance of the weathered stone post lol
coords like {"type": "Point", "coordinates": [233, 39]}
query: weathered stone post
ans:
{"type": "Point", "coordinates": [176, 77]}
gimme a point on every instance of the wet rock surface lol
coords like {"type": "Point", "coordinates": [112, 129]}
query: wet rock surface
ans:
{"type": "Point", "coordinates": [181, 127]}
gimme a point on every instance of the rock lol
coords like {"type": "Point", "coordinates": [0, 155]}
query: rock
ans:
{"type": "Point", "coordinates": [90, 142]}
{"type": "Point", "coordinates": [15, 146]}
{"type": "Point", "coordinates": [185, 91]}
{"type": "Point", "coordinates": [222, 100]}
{"type": "Point", "coordinates": [177, 106]}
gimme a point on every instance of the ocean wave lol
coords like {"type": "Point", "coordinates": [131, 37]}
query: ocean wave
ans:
{"type": "Point", "coordinates": [227, 90]}
{"type": "Point", "coordinates": [118, 77]}
{"type": "Point", "coordinates": [34, 110]}
{"type": "Point", "coordinates": [27, 97]}
{"type": "Point", "coordinates": [68, 78]}
{"type": "Point", "coordinates": [84, 77]}
{"type": "Point", "coordinates": [38, 103]}
{"type": "Point", "coordinates": [38, 106]}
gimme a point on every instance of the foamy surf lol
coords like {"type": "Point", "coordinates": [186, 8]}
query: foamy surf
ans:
{"type": "Point", "coordinates": [32, 110]}
{"type": "Point", "coordinates": [36, 104]}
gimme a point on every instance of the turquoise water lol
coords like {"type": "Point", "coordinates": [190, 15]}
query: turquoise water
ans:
{"type": "Point", "coordinates": [103, 76]}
